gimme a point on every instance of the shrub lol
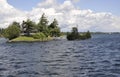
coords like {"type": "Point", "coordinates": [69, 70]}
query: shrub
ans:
{"type": "Point", "coordinates": [39, 35]}
{"type": "Point", "coordinates": [55, 32]}
{"type": "Point", "coordinates": [82, 37]}
{"type": "Point", "coordinates": [88, 34]}
{"type": "Point", "coordinates": [74, 35]}
{"type": "Point", "coordinates": [11, 32]}
{"type": "Point", "coordinates": [69, 37]}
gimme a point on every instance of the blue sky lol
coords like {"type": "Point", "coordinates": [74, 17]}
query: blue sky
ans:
{"type": "Point", "coordinates": [112, 6]}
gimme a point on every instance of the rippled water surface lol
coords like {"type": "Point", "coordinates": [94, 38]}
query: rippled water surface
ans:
{"type": "Point", "coordinates": [96, 57]}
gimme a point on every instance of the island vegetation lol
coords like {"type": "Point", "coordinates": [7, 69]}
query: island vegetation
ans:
{"type": "Point", "coordinates": [1, 32]}
{"type": "Point", "coordinates": [29, 31]}
{"type": "Point", "coordinates": [75, 35]}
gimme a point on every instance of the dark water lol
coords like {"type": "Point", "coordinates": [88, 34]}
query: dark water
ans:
{"type": "Point", "coordinates": [96, 57]}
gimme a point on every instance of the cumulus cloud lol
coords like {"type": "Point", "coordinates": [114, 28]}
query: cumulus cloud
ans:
{"type": "Point", "coordinates": [66, 14]}
{"type": "Point", "coordinates": [8, 14]}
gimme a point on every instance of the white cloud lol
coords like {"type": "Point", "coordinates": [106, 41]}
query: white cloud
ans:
{"type": "Point", "coordinates": [8, 14]}
{"type": "Point", "coordinates": [75, 1]}
{"type": "Point", "coordinates": [66, 14]}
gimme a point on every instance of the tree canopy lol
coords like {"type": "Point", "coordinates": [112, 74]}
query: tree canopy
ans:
{"type": "Point", "coordinates": [12, 31]}
{"type": "Point", "coordinates": [43, 23]}
{"type": "Point", "coordinates": [75, 35]}
{"type": "Point", "coordinates": [28, 28]}
{"type": "Point", "coordinates": [41, 29]}
{"type": "Point", "coordinates": [54, 29]}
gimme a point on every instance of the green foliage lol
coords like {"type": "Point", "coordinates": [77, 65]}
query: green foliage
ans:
{"type": "Point", "coordinates": [75, 30]}
{"type": "Point", "coordinates": [51, 30]}
{"type": "Point", "coordinates": [88, 35]}
{"type": "Point", "coordinates": [39, 36]}
{"type": "Point", "coordinates": [46, 32]}
{"type": "Point", "coordinates": [54, 29]}
{"type": "Point", "coordinates": [43, 20]}
{"type": "Point", "coordinates": [16, 23]}
{"type": "Point", "coordinates": [28, 27]}
{"type": "Point", "coordinates": [40, 28]}
{"type": "Point", "coordinates": [43, 23]}
{"type": "Point", "coordinates": [83, 37]}
{"type": "Point", "coordinates": [74, 35]}
{"type": "Point", "coordinates": [70, 37]}
{"type": "Point", "coordinates": [11, 32]}
{"type": "Point", "coordinates": [55, 32]}
{"type": "Point", "coordinates": [54, 24]}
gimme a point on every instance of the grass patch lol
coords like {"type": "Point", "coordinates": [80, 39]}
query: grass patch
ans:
{"type": "Point", "coordinates": [29, 39]}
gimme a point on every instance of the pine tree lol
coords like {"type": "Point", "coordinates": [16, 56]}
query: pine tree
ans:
{"type": "Point", "coordinates": [88, 34]}
{"type": "Point", "coordinates": [43, 23]}
{"type": "Point", "coordinates": [28, 27]}
{"type": "Point", "coordinates": [54, 24]}
{"type": "Point", "coordinates": [54, 29]}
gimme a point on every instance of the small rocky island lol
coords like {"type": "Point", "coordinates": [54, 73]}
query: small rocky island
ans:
{"type": "Point", "coordinates": [75, 35]}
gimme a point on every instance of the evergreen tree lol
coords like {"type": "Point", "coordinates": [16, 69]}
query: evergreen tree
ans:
{"type": "Point", "coordinates": [54, 29]}
{"type": "Point", "coordinates": [43, 20]}
{"type": "Point", "coordinates": [54, 24]}
{"type": "Point", "coordinates": [43, 23]}
{"type": "Point", "coordinates": [11, 32]}
{"type": "Point", "coordinates": [55, 32]}
{"type": "Point", "coordinates": [17, 24]}
{"type": "Point", "coordinates": [88, 34]}
{"type": "Point", "coordinates": [75, 30]}
{"type": "Point", "coordinates": [28, 27]}
{"type": "Point", "coordinates": [74, 34]}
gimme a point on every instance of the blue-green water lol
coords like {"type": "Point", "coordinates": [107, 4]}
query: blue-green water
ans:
{"type": "Point", "coordinates": [96, 57]}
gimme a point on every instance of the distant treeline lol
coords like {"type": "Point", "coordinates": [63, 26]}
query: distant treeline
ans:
{"type": "Point", "coordinates": [105, 32]}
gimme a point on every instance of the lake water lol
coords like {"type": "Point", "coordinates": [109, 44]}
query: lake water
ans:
{"type": "Point", "coordinates": [96, 57]}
